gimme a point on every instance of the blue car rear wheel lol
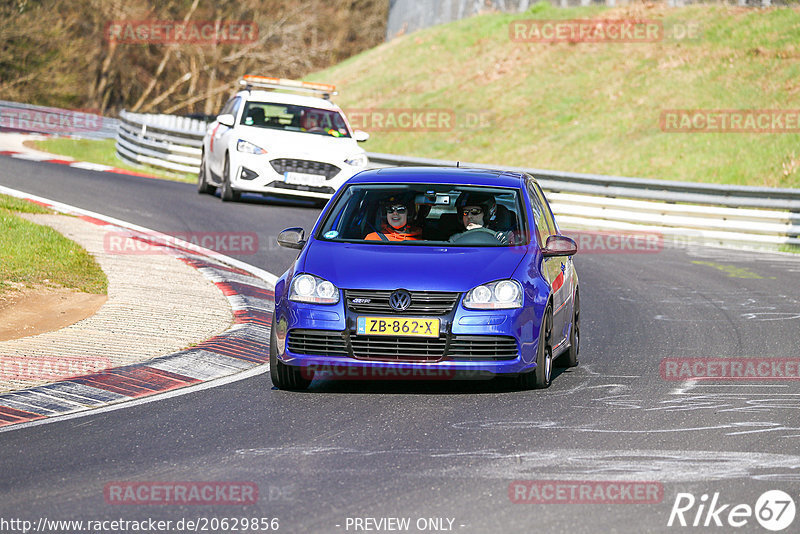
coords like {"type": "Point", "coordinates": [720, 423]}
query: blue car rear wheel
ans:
{"type": "Point", "coordinates": [570, 357]}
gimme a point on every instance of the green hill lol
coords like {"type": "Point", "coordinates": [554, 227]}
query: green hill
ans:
{"type": "Point", "coordinates": [590, 107]}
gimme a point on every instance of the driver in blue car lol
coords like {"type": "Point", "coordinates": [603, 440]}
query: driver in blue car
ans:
{"type": "Point", "coordinates": [479, 213]}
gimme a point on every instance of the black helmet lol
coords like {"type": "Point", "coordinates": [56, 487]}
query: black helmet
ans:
{"type": "Point", "coordinates": [472, 198]}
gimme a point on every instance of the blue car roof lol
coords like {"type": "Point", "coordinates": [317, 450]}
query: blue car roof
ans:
{"type": "Point", "coordinates": [444, 175]}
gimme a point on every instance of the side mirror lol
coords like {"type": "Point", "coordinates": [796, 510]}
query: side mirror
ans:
{"type": "Point", "coordinates": [226, 120]}
{"type": "Point", "coordinates": [360, 136]}
{"type": "Point", "coordinates": [560, 245]}
{"type": "Point", "coordinates": [292, 238]}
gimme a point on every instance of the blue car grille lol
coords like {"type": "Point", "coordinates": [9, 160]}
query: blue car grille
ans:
{"type": "Point", "coordinates": [399, 348]}
{"type": "Point", "coordinates": [482, 348]}
{"type": "Point", "coordinates": [322, 342]}
{"type": "Point", "coordinates": [422, 302]}
{"type": "Point", "coordinates": [305, 166]}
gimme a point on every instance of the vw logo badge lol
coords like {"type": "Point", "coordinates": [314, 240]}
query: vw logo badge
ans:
{"type": "Point", "coordinates": [400, 300]}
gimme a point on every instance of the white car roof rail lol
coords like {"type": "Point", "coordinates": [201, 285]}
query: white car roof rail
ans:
{"type": "Point", "coordinates": [252, 80]}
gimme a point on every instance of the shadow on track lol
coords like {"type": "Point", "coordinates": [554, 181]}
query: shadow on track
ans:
{"type": "Point", "coordinates": [420, 387]}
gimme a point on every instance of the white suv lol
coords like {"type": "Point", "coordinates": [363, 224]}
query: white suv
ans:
{"type": "Point", "coordinates": [279, 144]}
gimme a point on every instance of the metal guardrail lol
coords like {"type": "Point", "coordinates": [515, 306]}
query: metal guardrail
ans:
{"type": "Point", "coordinates": [26, 118]}
{"type": "Point", "coordinates": [755, 216]}
{"type": "Point", "coordinates": [165, 141]}
{"type": "Point", "coordinates": [643, 188]}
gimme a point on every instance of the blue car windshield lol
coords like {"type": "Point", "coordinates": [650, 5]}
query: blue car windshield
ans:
{"type": "Point", "coordinates": [427, 214]}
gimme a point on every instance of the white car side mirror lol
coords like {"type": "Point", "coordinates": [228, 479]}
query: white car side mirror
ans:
{"type": "Point", "coordinates": [360, 135]}
{"type": "Point", "coordinates": [226, 119]}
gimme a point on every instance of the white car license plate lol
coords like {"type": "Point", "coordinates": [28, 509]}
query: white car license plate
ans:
{"type": "Point", "coordinates": [301, 178]}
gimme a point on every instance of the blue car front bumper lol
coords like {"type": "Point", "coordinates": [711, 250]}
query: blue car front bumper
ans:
{"type": "Point", "coordinates": [475, 344]}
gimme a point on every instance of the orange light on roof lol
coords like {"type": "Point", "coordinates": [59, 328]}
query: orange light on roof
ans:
{"type": "Point", "coordinates": [284, 82]}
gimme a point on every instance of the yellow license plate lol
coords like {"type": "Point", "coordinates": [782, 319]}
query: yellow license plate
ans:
{"type": "Point", "coordinates": [398, 326]}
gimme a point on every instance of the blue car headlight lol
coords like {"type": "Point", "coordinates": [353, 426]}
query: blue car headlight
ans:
{"type": "Point", "coordinates": [313, 289]}
{"type": "Point", "coordinates": [249, 148]}
{"type": "Point", "coordinates": [502, 294]}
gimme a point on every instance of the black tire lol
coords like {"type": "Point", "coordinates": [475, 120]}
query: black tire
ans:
{"type": "Point", "coordinates": [540, 377]}
{"type": "Point", "coordinates": [203, 187]}
{"type": "Point", "coordinates": [284, 376]}
{"type": "Point", "coordinates": [228, 193]}
{"type": "Point", "coordinates": [570, 357]}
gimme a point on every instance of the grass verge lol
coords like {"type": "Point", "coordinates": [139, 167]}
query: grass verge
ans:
{"type": "Point", "coordinates": [38, 255]}
{"type": "Point", "coordinates": [103, 151]}
{"type": "Point", "coordinates": [590, 107]}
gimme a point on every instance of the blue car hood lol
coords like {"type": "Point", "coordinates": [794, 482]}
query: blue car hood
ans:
{"type": "Point", "coordinates": [358, 266]}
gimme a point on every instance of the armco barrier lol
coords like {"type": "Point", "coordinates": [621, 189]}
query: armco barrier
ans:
{"type": "Point", "coordinates": [752, 216]}
{"type": "Point", "coordinates": [25, 118]}
{"type": "Point", "coordinates": [165, 141]}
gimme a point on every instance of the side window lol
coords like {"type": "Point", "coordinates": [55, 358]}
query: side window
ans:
{"type": "Point", "coordinates": [237, 102]}
{"type": "Point", "coordinates": [227, 107]}
{"type": "Point", "coordinates": [538, 215]}
{"type": "Point", "coordinates": [232, 106]}
{"type": "Point", "coordinates": [547, 215]}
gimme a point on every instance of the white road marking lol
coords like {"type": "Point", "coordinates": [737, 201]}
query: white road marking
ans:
{"type": "Point", "coordinates": [129, 403]}
{"type": "Point", "coordinates": [126, 402]}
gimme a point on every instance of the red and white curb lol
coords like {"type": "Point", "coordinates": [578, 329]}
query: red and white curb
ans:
{"type": "Point", "coordinates": [238, 353]}
{"type": "Point", "coordinates": [49, 158]}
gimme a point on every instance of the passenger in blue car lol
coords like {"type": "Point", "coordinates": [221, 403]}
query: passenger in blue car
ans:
{"type": "Point", "coordinates": [399, 210]}
{"type": "Point", "coordinates": [480, 213]}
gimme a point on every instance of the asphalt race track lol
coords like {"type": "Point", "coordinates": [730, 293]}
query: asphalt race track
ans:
{"type": "Point", "coordinates": [344, 451]}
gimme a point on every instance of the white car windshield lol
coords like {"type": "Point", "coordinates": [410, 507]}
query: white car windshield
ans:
{"type": "Point", "coordinates": [293, 118]}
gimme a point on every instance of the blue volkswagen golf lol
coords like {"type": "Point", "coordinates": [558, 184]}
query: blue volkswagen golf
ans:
{"type": "Point", "coordinates": [428, 273]}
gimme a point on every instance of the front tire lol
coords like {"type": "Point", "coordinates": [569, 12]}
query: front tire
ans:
{"type": "Point", "coordinates": [228, 193]}
{"type": "Point", "coordinates": [540, 377]}
{"type": "Point", "coordinates": [284, 376]}
{"type": "Point", "coordinates": [203, 187]}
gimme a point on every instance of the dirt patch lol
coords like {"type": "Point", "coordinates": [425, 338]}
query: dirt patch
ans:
{"type": "Point", "coordinates": [34, 145]}
{"type": "Point", "coordinates": [30, 311]}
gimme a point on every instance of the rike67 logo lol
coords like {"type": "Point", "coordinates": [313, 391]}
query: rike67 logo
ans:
{"type": "Point", "coordinates": [774, 510]}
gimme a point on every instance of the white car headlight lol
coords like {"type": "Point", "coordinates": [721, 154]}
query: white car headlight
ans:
{"type": "Point", "coordinates": [249, 148]}
{"type": "Point", "coordinates": [502, 294]}
{"type": "Point", "coordinates": [313, 289]}
{"type": "Point", "coordinates": [357, 160]}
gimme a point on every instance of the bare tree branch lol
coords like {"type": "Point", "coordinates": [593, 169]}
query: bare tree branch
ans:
{"type": "Point", "coordinates": [163, 63]}
{"type": "Point", "coordinates": [197, 98]}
